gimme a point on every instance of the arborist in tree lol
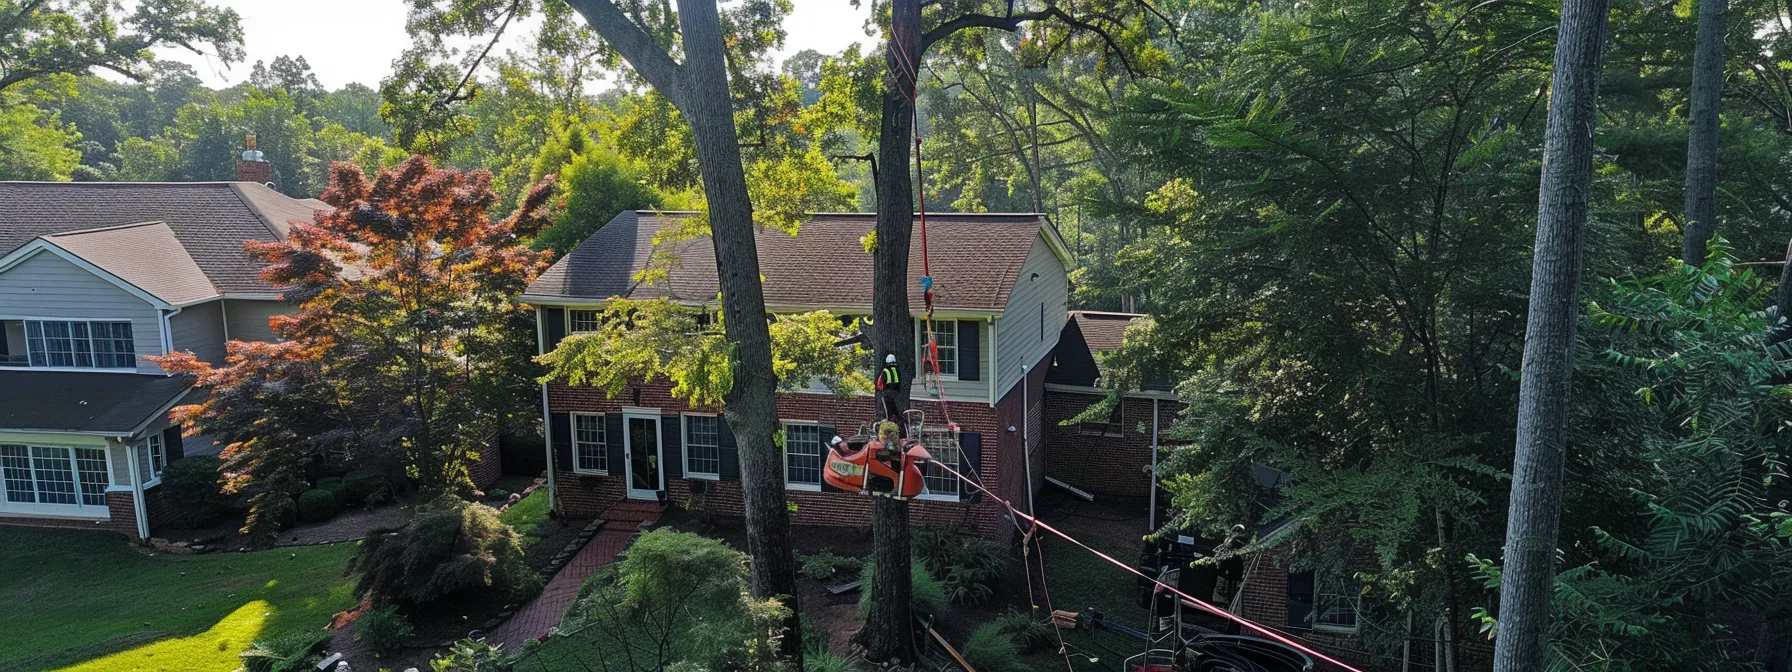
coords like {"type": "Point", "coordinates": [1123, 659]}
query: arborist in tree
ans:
{"type": "Point", "coordinates": [889, 387]}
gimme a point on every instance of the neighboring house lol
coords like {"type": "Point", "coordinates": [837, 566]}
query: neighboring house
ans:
{"type": "Point", "coordinates": [1001, 283]}
{"type": "Point", "coordinates": [1112, 457]}
{"type": "Point", "coordinates": [94, 277]}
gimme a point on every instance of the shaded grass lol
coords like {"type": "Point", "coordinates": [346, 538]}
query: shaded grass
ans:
{"type": "Point", "coordinates": [81, 595]}
{"type": "Point", "coordinates": [1079, 580]}
{"type": "Point", "coordinates": [527, 516]}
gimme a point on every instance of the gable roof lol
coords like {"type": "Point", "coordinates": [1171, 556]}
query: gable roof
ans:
{"type": "Point", "coordinates": [147, 256]}
{"type": "Point", "coordinates": [209, 220]}
{"type": "Point", "coordinates": [1101, 330]}
{"type": "Point", "coordinates": [975, 260]}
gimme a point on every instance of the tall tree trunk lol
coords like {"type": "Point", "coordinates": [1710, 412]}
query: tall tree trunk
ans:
{"type": "Point", "coordinates": [1535, 511]}
{"type": "Point", "coordinates": [1701, 137]}
{"type": "Point", "coordinates": [888, 627]}
{"type": "Point", "coordinates": [699, 89]}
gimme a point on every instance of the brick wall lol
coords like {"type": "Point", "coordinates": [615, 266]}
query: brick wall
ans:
{"type": "Point", "coordinates": [123, 518]}
{"type": "Point", "coordinates": [160, 510]}
{"type": "Point", "coordinates": [1265, 602]}
{"type": "Point", "coordinates": [585, 495]}
{"type": "Point", "coordinates": [490, 465]}
{"type": "Point", "coordinates": [1102, 463]}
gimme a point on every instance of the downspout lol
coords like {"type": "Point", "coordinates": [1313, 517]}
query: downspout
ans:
{"type": "Point", "coordinates": [1151, 515]}
{"type": "Point", "coordinates": [130, 456]}
{"type": "Point", "coordinates": [224, 314]}
{"type": "Point", "coordinates": [1026, 441]}
{"type": "Point", "coordinates": [547, 420]}
{"type": "Point", "coordinates": [995, 363]}
{"type": "Point", "coordinates": [168, 330]}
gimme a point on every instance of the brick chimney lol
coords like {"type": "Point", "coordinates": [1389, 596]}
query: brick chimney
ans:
{"type": "Point", "coordinates": [252, 167]}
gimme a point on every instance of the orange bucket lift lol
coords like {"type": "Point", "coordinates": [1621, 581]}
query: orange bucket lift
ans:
{"type": "Point", "coordinates": [878, 460]}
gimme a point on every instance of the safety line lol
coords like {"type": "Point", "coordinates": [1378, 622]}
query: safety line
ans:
{"type": "Point", "coordinates": [1202, 604]}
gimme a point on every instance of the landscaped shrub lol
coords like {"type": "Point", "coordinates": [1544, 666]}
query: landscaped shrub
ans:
{"type": "Point", "coordinates": [926, 598]}
{"type": "Point", "coordinates": [290, 652]}
{"type": "Point", "coordinates": [968, 586]}
{"type": "Point", "coordinates": [450, 547]}
{"type": "Point", "coordinates": [194, 489]}
{"type": "Point", "coordinates": [331, 483]}
{"type": "Point", "coordinates": [991, 650]}
{"type": "Point", "coordinates": [472, 655]}
{"type": "Point", "coordinates": [967, 566]}
{"type": "Point", "coordinates": [819, 659]}
{"type": "Point", "coordinates": [825, 565]}
{"type": "Point", "coordinates": [316, 506]}
{"type": "Point", "coordinates": [382, 629]}
{"type": "Point", "coordinates": [1026, 632]}
{"type": "Point", "coordinates": [364, 488]}
{"type": "Point", "coordinates": [279, 509]}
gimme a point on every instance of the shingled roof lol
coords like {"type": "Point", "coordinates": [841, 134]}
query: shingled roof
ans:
{"type": "Point", "coordinates": [111, 404]}
{"type": "Point", "coordinates": [147, 256]}
{"type": "Point", "coordinates": [975, 259]}
{"type": "Point", "coordinates": [209, 220]}
{"type": "Point", "coordinates": [1103, 331]}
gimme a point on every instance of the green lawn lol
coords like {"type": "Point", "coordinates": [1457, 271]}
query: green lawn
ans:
{"type": "Point", "coordinates": [86, 599]}
{"type": "Point", "coordinates": [527, 515]}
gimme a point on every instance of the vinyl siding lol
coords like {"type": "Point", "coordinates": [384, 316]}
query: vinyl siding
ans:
{"type": "Point", "coordinates": [50, 287]}
{"type": "Point", "coordinates": [248, 320]}
{"type": "Point", "coordinates": [956, 390]}
{"type": "Point", "coordinates": [200, 329]}
{"type": "Point", "coordinates": [1018, 337]}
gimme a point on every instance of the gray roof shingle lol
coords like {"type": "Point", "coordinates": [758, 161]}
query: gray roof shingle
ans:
{"type": "Point", "coordinates": [146, 255]}
{"type": "Point", "coordinates": [975, 259]}
{"type": "Point", "coordinates": [95, 403]}
{"type": "Point", "coordinates": [211, 220]}
{"type": "Point", "coordinates": [1103, 331]}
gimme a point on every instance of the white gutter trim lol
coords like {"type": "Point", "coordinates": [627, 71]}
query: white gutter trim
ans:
{"type": "Point", "coordinates": [1133, 394]}
{"type": "Point", "coordinates": [547, 418]}
{"type": "Point", "coordinates": [580, 302]}
{"type": "Point", "coordinates": [39, 245]}
{"type": "Point", "coordinates": [142, 511]}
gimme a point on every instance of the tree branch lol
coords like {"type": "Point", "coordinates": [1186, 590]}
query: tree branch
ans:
{"type": "Point", "coordinates": [1011, 22]}
{"type": "Point", "coordinates": [633, 42]}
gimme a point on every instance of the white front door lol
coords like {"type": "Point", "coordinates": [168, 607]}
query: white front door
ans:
{"type": "Point", "coordinates": [641, 455]}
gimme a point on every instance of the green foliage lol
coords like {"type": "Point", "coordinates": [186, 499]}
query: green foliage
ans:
{"type": "Point", "coordinates": [449, 548]}
{"type": "Point", "coordinates": [670, 587]}
{"type": "Point", "coordinates": [331, 483]}
{"type": "Point", "coordinates": [824, 566]}
{"type": "Point", "coordinates": [927, 596]}
{"type": "Point", "coordinates": [527, 515]}
{"type": "Point", "coordinates": [596, 185]}
{"type": "Point", "coordinates": [316, 506]}
{"type": "Point", "coordinates": [657, 339]}
{"type": "Point", "coordinates": [292, 652]}
{"type": "Point", "coordinates": [46, 39]}
{"type": "Point", "coordinates": [34, 143]}
{"type": "Point", "coordinates": [991, 650]}
{"type": "Point", "coordinates": [966, 566]}
{"type": "Point", "coordinates": [193, 487]}
{"type": "Point", "coordinates": [382, 629]}
{"type": "Point", "coordinates": [472, 655]}
{"type": "Point", "coordinates": [1028, 633]}
{"type": "Point", "coordinates": [363, 488]}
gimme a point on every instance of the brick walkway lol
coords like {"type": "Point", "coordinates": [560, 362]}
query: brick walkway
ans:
{"type": "Point", "coordinates": [622, 523]}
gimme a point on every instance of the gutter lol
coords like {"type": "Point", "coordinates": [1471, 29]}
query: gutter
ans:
{"type": "Point", "coordinates": [995, 361]}
{"type": "Point", "coordinates": [136, 489]}
{"type": "Point", "coordinates": [547, 419]}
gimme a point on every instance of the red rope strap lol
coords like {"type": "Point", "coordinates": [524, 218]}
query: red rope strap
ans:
{"type": "Point", "coordinates": [1201, 604]}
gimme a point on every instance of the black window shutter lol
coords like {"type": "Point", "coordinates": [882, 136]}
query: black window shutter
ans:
{"type": "Point", "coordinates": [970, 349]}
{"type": "Point", "coordinates": [970, 448]}
{"type": "Point", "coordinates": [1300, 599]}
{"type": "Point", "coordinates": [672, 448]}
{"type": "Point", "coordinates": [560, 431]}
{"type": "Point", "coordinates": [613, 437]}
{"type": "Point", "coordinates": [171, 448]}
{"type": "Point", "coordinates": [730, 452]}
{"type": "Point", "coordinates": [553, 321]}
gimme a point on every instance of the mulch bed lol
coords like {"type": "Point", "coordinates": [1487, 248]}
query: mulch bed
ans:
{"type": "Point", "coordinates": [556, 533]}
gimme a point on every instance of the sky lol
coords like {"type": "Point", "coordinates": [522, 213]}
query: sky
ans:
{"type": "Point", "coordinates": [356, 40]}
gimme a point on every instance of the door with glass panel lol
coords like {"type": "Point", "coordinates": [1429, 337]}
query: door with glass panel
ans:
{"type": "Point", "coordinates": [641, 454]}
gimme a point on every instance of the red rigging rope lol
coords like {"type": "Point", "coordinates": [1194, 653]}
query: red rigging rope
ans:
{"type": "Point", "coordinates": [1201, 604]}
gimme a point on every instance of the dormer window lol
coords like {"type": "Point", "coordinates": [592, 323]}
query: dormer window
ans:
{"type": "Point", "coordinates": [68, 344]}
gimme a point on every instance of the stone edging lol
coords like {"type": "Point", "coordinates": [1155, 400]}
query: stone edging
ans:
{"type": "Point", "coordinates": [555, 564]}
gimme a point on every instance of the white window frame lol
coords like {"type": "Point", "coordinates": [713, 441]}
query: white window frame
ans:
{"type": "Point", "coordinates": [684, 440]}
{"type": "Point", "coordinates": [603, 442]}
{"type": "Point", "coordinates": [927, 492]}
{"type": "Point", "coordinates": [820, 442]}
{"type": "Point", "coordinates": [80, 508]}
{"type": "Point", "coordinates": [921, 347]}
{"type": "Point", "coordinates": [155, 458]}
{"type": "Point", "coordinates": [1320, 600]}
{"type": "Point", "coordinates": [90, 321]}
{"type": "Point", "coordinates": [572, 322]}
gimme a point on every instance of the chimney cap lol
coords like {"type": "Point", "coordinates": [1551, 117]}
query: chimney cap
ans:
{"type": "Point", "coordinates": [251, 153]}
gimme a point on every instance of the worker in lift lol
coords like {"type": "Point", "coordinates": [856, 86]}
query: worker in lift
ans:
{"type": "Point", "coordinates": [889, 389]}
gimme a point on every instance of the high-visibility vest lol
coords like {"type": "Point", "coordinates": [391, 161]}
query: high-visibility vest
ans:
{"type": "Point", "coordinates": [891, 376]}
